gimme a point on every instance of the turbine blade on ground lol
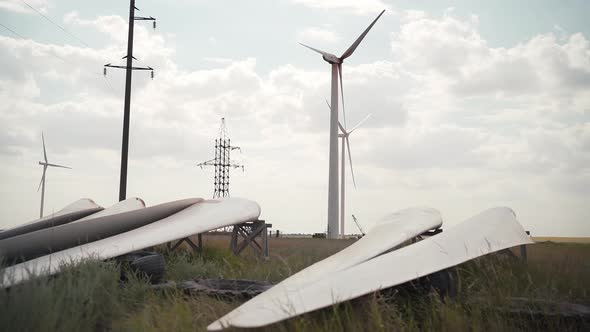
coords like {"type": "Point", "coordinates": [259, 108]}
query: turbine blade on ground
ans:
{"type": "Point", "coordinates": [388, 233]}
{"type": "Point", "coordinates": [320, 52]}
{"type": "Point", "coordinates": [44, 152]}
{"type": "Point", "coordinates": [339, 124]}
{"type": "Point", "coordinates": [350, 160]}
{"type": "Point", "coordinates": [342, 92]}
{"type": "Point", "coordinates": [488, 232]}
{"type": "Point", "coordinates": [55, 165]}
{"type": "Point", "coordinates": [360, 123]}
{"type": "Point", "coordinates": [356, 43]}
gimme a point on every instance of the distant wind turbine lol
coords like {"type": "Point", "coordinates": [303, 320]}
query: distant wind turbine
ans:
{"type": "Point", "coordinates": [344, 136]}
{"type": "Point", "coordinates": [42, 183]}
{"type": "Point", "coordinates": [336, 63]}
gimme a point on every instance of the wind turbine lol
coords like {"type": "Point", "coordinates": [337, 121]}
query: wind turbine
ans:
{"type": "Point", "coordinates": [344, 137]}
{"type": "Point", "coordinates": [336, 63]}
{"type": "Point", "coordinates": [42, 183]}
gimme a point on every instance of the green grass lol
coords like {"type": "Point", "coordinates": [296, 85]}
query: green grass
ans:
{"type": "Point", "coordinates": [90, 297]}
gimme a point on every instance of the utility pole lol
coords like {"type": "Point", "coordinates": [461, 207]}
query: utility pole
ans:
{"type": "Point", "coordinates": [126, 115]}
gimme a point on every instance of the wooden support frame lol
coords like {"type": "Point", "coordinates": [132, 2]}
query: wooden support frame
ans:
{"type": "Point", "coordinates": [197, 248]}
{"type": "Point", "coordinates": [249, 232]}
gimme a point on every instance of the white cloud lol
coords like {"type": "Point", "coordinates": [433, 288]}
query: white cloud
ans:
{"type": "Point", "coordinates": [442, 45]}
{"type": "Point", "coordinates": [454, 49]}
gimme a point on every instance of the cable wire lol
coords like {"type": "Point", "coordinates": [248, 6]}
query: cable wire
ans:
{"type": "Point", "coordinates": [57, 25]}
{"type": "Point", "coordinates": [23, 38]}
{"type": "Point", "coordinates": [56, 56]}
{"type": "Point", "coordinates": [13, 32]}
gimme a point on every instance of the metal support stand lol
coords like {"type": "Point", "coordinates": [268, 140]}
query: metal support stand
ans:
{"type": "Point", "coordinates": [249, 231]}
{"type": "Point", "coordinates": [197, 248]}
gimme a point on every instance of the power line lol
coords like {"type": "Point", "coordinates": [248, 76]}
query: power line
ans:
{"type": "Point", "coordinates": [55, 55]}
{"type": "Point", "coordinates": [57, 25]}
{"type": "Point", "coordinates": [14, 32]}
{"type": "Point", "coordinates": [23, 38]}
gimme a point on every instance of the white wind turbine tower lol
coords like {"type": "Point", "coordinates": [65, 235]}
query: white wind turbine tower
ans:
{"type": "Point", "coordinates": [336, 63]}
{"type": "Point", "coordinates": [42, 183]}
{"type": "Point", "coordinates": [344, 136]}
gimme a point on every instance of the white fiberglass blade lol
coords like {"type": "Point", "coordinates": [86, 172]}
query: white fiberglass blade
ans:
{"type": "Point", "coordinates": [42, 177]}
{"type": "Point", "coordinates": [339, 124]}
{"type": "Point", "coordinates": [130, 204]}
{"type": "Point", "coordinates": [356, 43]}
{"type": "Point", "coordinates": [360, 123]}
{"type": "Point", "coordinates": [350, 160]}
{"type": "Point", "coordinates": [44, 152]}
{"type": "Point", "coordinates": [389, 233]}
{"type": "Point", "coordinates": [490, 231]}
{"type": "Point", "coordinates": [342, 92]}
{"type": "Point", "coordinates": [45, 241]}
{"type": "Point", "coordinates": [78, 209]}
{"type": "Point", "coordinates": [326, 54]}
{"type": "Point", "coordinates": [197, 218]}
{"type": "Point", "coordinates": [55, 165]}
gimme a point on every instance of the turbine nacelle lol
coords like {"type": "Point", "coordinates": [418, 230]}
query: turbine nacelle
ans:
{"type": "Point", "coordinates": [332, 59]}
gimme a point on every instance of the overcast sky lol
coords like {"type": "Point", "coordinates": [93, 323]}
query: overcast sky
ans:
{"type": "Point", "coordinates": [475, 105]}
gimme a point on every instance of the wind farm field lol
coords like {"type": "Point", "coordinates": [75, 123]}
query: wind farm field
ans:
{"type": "Point", "coordinates": [540, 239]}
{"type": "Point", "coordinates": [91, 296]}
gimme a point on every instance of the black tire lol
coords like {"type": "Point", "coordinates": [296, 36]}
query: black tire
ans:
{"type": "Point", "coordinates": [147, 264]}
{"type": "Point", "coordinates": [443, 282]}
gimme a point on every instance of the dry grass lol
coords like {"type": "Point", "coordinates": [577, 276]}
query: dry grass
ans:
{"type": "Point", "coordinates": [540, 239]}
{"type": "Point", "coordinates": [90, 297]}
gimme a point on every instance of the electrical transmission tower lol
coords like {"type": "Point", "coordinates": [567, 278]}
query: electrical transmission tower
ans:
{"type": "Point", "coordinates": [128, 69]}
{"type": "Point", "coordinates": [222, 162]}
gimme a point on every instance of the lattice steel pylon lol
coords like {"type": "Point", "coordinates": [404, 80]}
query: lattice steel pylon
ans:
{"type": "Point", "coordinates": [222, 162]}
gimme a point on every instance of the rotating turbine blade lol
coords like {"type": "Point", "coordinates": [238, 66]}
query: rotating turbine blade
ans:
{"type": "Point", "coordinates": [360, 123]}
{"type": "Point", "coordinates": [42, 178]}
{"type": "Point", "coordinates": [44, 152]}
{"type": "Point", "coordinates": [320, 52]}
{"type": "Point", "coordinates": [55, 165]}
{"type": "Point", "coordinates": [339, 124]}
{"type": "Point", "coordinates": [350, 160]}
{"type": "Point", "coordinates": [356, 43]}
{"type": "Point", "coordinates": [342, 92]}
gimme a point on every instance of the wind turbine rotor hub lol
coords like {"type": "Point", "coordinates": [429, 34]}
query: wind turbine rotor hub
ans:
{"type": "Point", "coordinates": [332, 59]}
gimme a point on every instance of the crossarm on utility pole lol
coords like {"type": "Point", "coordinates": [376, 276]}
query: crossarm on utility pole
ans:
{"type": "Point", "coordinates": [207, 163]}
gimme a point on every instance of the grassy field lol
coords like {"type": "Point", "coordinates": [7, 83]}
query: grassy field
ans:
{"type": "Point", "coordinates": [91, 297]}
{"type": "Point", "coordinates": [580, 240]}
